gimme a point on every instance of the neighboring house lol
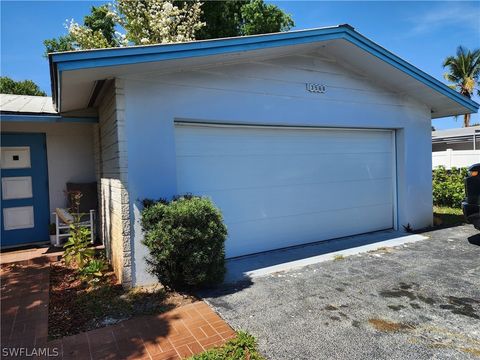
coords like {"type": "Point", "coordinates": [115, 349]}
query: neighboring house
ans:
{"type": "Point", "coordinates": [456, 147]}
{"type": "Point", "coordinates": [41, 152]}
{"type": "Point", "coordinates": [297, 137]}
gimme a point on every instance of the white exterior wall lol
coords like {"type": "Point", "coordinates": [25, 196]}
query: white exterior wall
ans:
{"type": "Point", "coordinates": [268, 92]}
{"type": "Point", "coordinates": [69, 155]}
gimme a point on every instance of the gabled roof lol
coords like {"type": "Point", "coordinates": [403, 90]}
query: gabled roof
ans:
{"type": "Point", "coordinates": [446, 102]}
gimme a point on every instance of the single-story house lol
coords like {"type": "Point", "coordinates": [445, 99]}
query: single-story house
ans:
{"type": "Point", "coordinates": [456, 147]}
{"type": "Point", "coordinates": [297, 137]}
{"type": "Point", "coordinates": [456, 139]}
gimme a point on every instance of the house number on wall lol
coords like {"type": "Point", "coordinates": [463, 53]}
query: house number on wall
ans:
{"type": "Point", "coordinates": [316, 88]}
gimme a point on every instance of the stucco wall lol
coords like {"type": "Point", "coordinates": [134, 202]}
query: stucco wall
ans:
{"type": "Point", "coordinates": [111, 167]}
{"type": "Point", "coordinates": [268, 92]}
{"type": "Point", "coordinates": [69, 155]}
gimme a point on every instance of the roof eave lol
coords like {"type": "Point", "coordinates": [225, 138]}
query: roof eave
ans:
{"type": "Point", "coordinates": [76, 60]}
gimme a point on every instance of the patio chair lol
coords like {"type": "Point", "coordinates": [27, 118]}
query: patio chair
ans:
{"type": "Point", "coordinates": [87, 208]}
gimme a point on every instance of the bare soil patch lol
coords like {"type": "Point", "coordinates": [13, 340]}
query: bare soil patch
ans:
{"type": "Point", "coordinates": [76, 306]}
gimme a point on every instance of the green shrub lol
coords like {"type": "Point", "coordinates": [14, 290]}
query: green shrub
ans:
{"type": "Point", "coordinates": [448, 186]}
{"type": "Point", "coordinates": [244, 346]}
{"type": "Point", "coordinates": [77, 248]}
{"type": "Point", "coordinates": [94, 270]}
{"type": "Point", "coordinates": [186, 239]}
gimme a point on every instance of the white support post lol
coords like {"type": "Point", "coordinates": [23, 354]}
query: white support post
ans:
{"type": "Point", "coordinates": [57, 230]}
{"type": "Point", "coordinates": [92, 217]}
{"type": "Point", "coordinates": [449, 154]}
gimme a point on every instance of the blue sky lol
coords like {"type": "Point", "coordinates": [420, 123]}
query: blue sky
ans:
{"type": "Point", "coordinates": [423, 33]}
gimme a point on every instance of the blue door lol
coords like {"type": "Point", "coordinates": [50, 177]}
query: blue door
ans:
{"type": "Point", "coordinates": [25, 209]}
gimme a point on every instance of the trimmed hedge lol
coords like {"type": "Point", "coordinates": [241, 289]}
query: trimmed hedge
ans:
{"type": "Point", "coordinates": [186, 238]}
{"type": "Point", "coordinates": [449, 186]}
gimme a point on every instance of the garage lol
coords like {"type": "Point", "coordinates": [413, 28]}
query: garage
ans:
{"type": "Point", "coordinates": [286, 186]}
{"type": "Point", "coordinates": [297, 137]}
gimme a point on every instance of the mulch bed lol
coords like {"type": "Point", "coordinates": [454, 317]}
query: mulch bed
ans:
{"type": "Point", "coordinates": [76, 306]}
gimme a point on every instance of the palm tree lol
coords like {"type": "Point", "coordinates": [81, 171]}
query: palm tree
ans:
{"type": "Point", "coordinates": [464, 72]}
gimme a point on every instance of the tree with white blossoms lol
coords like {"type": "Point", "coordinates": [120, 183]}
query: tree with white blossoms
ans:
{"type": "Point", "coordinates": [159, 21]}
{"type": "Point", "coordinates": [85, 38]}
{"type": "Point", "coordinates": [143, 22]}
{"type": "Point", "coordinates": [97, 31]}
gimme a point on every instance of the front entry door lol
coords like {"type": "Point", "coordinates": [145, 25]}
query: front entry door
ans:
{"type": "Point", "coordinates": [24, 189]}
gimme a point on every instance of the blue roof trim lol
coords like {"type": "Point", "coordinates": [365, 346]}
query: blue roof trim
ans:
{"type": "Point", "coordinates": [409, 69]}
{"type": "Point", "coordinates": [47, 118]}
{"type": "Point", "coordinates": [193, 45]}
{"type": "Point", "coordinates": [142, 54]}
{"type": "Point", "coordinates": [190, 52]}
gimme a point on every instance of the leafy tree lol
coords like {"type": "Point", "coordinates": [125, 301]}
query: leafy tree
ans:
{"type": "Point", "coordinates": [261, 18]}
{"type": "Point", "coordinates": [145, 22]}
{"type": "Point", "coordinates": [103, 20]}
{"type": "Point", "coordinates": [236, 18]}
{"type": "Point", "coordinates": [25, 87]}
{"type": "Point", "coordinates": [221, 18]}
{"type": "Point", "coordinates": [464, 72]}
{"type": "Point", "coordinates": [62, 43]}
{"type": "Point", "coordinates": [98, 31]}
{"type": "Point", "coordinates": [167, 21]}
{"type": "Point", "coordinates": [86, 38]}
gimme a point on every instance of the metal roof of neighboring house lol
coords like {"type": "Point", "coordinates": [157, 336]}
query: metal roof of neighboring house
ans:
{"type": "Point", "coordinates": [456, 132]}
{"type": "Point", "coordinates": [39, 109]}
{"type": "Point", "coordinates": [78, 72]}
{"type": "Point", "coordinates": [26, 104]}
{"type": "Point", "coordinates": [459, 133]}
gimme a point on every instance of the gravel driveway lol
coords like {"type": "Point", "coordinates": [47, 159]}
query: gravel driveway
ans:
{"type": "Point", "coordinates": [415, 301]}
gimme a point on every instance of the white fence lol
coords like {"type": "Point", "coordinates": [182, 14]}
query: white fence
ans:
{"type": "Point", "coordinates": [455, 158]}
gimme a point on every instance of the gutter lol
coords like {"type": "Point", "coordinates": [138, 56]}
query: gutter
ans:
{"type": "Point", "coordinates": [46, 118]}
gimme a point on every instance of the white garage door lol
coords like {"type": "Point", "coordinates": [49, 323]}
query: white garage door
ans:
{"type": "Point", "coordinates": [279, 187]}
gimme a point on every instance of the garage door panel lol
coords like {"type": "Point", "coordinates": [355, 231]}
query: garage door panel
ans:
{"type": "Point", "coordinates": [269, 147]}
{"type": "Point", "coordinates": [266, 171]}
{"type": "Point", "coordinates": [198, 142]}
{"type": "Point", "coordinates": [250, 204]}
{"type": "Point", "coordinates": [250, 237]}
{"type": "Point", "coordinates": [280, 187]}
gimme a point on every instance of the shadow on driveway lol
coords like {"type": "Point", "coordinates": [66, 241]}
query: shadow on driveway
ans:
{"type": "Point", "coordinates": [474, 239]}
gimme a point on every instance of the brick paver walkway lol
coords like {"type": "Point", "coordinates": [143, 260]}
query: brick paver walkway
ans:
{"type": "Point", "coordinates": [24, 256]}
{"type": "Point", "coordinates": [176, 334]}
{"type": "Point", "coordinates": [24, 304]}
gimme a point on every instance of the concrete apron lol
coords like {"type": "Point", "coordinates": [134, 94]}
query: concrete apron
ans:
{"type": "Point", "coordinates": [251, 266]}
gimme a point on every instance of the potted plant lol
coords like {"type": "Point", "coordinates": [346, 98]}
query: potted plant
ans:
{"type": "Point", "coordinates": [52, 229]}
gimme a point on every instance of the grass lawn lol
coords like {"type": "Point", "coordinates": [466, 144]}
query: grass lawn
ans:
{"type": "Point", "coordinates": [447, 216]}
{"type": "Point", "coordinates": [243, 346]}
